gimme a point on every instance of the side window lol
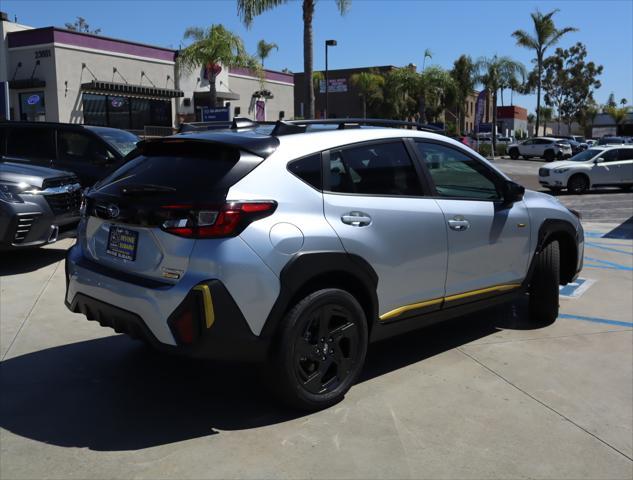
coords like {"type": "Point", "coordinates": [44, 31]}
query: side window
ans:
{"type": "Point", "coordinates": [610, 156]}
{"type": "Point", "coordinates": [82, 148]}
{"type": "Point", "coordinates": [457, 175]}
{"type": "Point", "coordinates": [309, 170]}
{"type": "Point", "coordinates": [30, 142]}
{"type": "Point", "coordinates": [625, 154]}
{"type": "Point", "coordinates": [528, 142]}
{"type": "Point", "coordinates": [377, 169]}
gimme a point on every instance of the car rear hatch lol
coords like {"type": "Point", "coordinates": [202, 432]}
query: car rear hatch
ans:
{"type": "Point", "coordinates": [145, 217]}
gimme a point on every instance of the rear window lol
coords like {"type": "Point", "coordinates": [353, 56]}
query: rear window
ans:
{"type": "Point", "coordinates": [184, 169]}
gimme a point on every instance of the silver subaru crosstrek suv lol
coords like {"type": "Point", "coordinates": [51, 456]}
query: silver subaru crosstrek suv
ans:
{"type": "Point", "coordinates": [296, 246]}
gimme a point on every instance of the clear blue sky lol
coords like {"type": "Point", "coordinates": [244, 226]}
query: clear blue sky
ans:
{"type": "Point", "coordinates": [374, 32]}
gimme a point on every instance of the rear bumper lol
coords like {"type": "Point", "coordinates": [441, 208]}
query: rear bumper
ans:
{"type": "Point", "coordinates": [218, 329]}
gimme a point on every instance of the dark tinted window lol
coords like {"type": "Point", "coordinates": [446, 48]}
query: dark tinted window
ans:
{"type": "Point", "coordinates": [378, 169]}
{"type": "Point", "coordinates": [457, 175]}
{"type": "Point", "coordinates": [625, 154]}
{"type": "Point", "coordinates": [610, 156]}
{"type": "Point", "coordinates": [31, 142]}
{"type": "Point", "coordinates": [189, 169]}
{"type": "Point", "coordinates": [309, 170]}
{"type": "Point", "coordinates": [543, 141]}
{"type": "Point", "coordinates": [83, 148]}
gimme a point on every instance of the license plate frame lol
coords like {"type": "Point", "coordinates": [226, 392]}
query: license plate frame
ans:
{"type": "Point", "coordinates": [122, 243]}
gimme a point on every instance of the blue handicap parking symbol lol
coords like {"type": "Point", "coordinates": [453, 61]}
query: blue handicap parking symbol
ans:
{"type": "Point", "coordinates": [576, 289]}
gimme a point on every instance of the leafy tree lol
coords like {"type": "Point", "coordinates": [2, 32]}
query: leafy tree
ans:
{"type": "Point", "coordinates": [249, 9]}
{"type": "Point", "coordinates": [569, 82]}
{"type": "Point", "coordinates": [611, 101]}
{"type": "Point", "coordinates": [617, 113]}
{"type": "Point", "coordinates": [493, 73]}
{"type": "Point", "coordinates": [463, 74]}
{"type": "Point", "coordinates": [436, 91]}
{"type": "Point", "coordinates": [80, 25]}
{"type": "Point", "coordinates": [369, 86]}
{"type": "Point", "coordinates": [623, 101]}
{"type": "Point", "coordinates": [211, 49]}
{"type": "Point", "coordinates": [264, 48]}
{"type": "Point", "coordinates": [545, 35]}
{"type": "Point", "coordinates": [427, 54]}
{"type": "Point", "coordinates": [546, 114]}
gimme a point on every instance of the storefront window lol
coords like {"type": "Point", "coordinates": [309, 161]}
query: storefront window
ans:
{"type": "Point", "coordinates": [127, 113]}
{"type": "Point", "coordinates": [32, 107]}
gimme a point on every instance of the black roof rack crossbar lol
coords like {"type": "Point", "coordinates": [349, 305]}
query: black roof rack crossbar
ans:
{"type": "Point", "coordinates": [348, 123]}
{"type": "Point", "coordinates": [242, 122]}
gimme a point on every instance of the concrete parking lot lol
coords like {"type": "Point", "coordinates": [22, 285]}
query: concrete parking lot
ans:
{"type": "Point", "coordinates": [485, 396]}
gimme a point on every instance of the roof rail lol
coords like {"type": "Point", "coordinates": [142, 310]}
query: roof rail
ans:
{"type": "Point", "coordinates": [285, 128]}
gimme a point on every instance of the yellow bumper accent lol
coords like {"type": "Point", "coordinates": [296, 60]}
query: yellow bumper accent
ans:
{"type": "Point", "coordinates": [427, 303]}
{"type": "Point", "coordinates": [209, 314]}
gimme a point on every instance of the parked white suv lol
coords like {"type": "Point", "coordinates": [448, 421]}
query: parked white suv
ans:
{"type": "Point", "coordinates": [544, 147]}
{"type": "Point", "coordinates": [610, 165]}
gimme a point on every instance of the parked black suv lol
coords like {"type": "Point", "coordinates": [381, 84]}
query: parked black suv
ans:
{"type": "Point", "coordinates": [89, 152]}
{"type": "Point", "coordinates": [38, 205]}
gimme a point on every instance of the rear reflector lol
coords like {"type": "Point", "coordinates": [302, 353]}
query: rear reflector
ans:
{"type": "Point", "coordinates": [226, 220]}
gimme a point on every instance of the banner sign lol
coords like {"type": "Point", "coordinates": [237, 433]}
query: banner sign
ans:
{"type": "Point", "coordinates": [485, 128]}
{"type": "Point", "coordinates": [336, 85]}
{"type": "Point", "coordinates": [215, 114]}
{"type": "Point", "coordinates": [480, 109]}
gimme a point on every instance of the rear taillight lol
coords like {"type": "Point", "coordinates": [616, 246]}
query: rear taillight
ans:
{"type": "Point", "coordinates": [225, 220]}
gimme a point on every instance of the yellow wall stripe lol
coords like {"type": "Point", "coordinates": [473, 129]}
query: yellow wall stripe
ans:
{"type": "Point", "coordinates": [209, 314]}
{"type": "Point", "coordinates": [414, 306]}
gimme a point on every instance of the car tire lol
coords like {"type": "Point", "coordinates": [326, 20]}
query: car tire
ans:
{"type": "Point", "coordinates": [321, 350]}
{"type": "Point", "coordinates": [578, 184]}
{"type": "Point", "coordinates": [544, 291]}
{"type": "Point", "coordinates": [555, 190]}
{"type": "Point", "coordinates": [514, 154]}
{"type": "Point", "coordinates": [549, 156]}
{"type": "Point", "coordinates": [526, 157]}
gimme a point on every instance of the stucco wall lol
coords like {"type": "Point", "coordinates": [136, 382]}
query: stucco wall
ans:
{"type": "Point", "coordinates": [283, 97]}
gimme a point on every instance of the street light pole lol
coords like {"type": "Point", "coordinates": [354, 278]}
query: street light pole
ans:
{"type": "Point", "coordinates": [328, 43]}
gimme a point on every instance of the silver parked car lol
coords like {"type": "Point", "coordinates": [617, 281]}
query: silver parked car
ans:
{"type": "Point", "coordinates": [297, 247]}
{"type": "Point", "coordinates": [544, 147]}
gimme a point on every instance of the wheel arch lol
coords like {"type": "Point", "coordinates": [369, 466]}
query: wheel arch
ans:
{"type": "Point", "coordinates": [580, 174]}
{"type": "Point", "coordinates": [565, 233]}
{"type": "Point", "coordinates": [308, 272]}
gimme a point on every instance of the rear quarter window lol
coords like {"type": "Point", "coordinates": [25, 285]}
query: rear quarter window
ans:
{"type": "Point", "coordinates": [308, 169]}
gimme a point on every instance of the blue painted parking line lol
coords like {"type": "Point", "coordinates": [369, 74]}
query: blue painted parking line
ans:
{"type": "Point", "coordinates": [609, 248]}
{"type": "Point", "coordinates": [595, 320]}
{"type": "Point", "coordinates": [577, 288]}
{"type": "Point", "coordinates": [614, 265]}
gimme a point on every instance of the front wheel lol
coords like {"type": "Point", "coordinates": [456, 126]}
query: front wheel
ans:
{"type": "Point", "coordinates": [322, 348]}
{"type": "Point", "coordinates": [514, 153]}
{"type": "Point", "coordinates": [544, 291]}
{"type": "Point", "coordinates": [578, 184]}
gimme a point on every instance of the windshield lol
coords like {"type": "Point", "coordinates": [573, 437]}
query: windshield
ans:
{"type": "Point", "coordinates": [586, 155]}
{"type": "Point", "coordinates": [122, 141]}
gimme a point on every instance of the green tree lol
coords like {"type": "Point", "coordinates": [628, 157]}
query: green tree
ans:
{"type": "Point", "coordinates": [369, 86]}
{"type": "Point", "coordinates": [493, 73]}
{"type": "Point", "coordinates": [427, 54]}
{"type": "Point", "coordinates": [617, 113]}
{"type": "Point", "coordinates": [545, 35]}
{"type": "Point", "coordinates": [264, 48]}
{"type": "Point", "coordinates": [436, 92]}
{"type": "Point", "coordinates": [211, 49]}
{"type": "Point", "coordinates": [249, 9]}
{"type": "Point", "coordinates": [463, 75]}
{"type": "Point", "coordinates": [546, 114]}
{"type": "Point", "coordinates": [569, 81]}
{"type": "Point", "coordinates": [80, 25]}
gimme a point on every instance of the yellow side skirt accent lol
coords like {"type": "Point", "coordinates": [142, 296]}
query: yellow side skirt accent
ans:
{"type": "Point", "coordinates": [209, 314]}
{"type": "Point", "coordinates": [414, 306]}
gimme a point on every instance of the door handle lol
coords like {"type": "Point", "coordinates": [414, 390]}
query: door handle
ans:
{"type": "Point", "coordinates": [458, 224]}
{"type": "Point", "coordinates": [356, 219]}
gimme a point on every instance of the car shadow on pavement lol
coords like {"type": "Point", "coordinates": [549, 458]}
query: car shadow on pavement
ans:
{"type": "Point", "coordinates": [24, 261]}
{"type": "Point", "coordinates": [114, 394]}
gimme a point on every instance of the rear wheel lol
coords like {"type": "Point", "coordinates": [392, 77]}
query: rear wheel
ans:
{"type": "Point", "coordinates": [514, 153]}
{"type": "Point", "coordinates": [544, 292]}
{"type": "Point", "coordinates": [322, 348]}
{"type": "Point", "coordinates": [526, 157]}
{"type": "Point", "coordinates": [578, 184]}
{"type": "Point", "coordinates": [549, 155]}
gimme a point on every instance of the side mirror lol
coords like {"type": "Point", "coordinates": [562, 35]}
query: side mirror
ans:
{"type": "Point", "coordinates": [101, 158]}
{"type": "Point", "coordinates": [596, 161]}
{"type": "Point", "coordinates": [512, 192]}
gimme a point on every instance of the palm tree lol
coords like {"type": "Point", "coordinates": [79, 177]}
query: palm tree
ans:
{"type": "Point", "coordinates": [546, 113]}
{"type": "Point", "coordinates": [545, 35]}
{"type": "Point", "coordinates": [618, 114]}
{"type": "Point", "coordinates": [437, 91]}
{"type": "Point", "coordinates": [494, 73]}
{"type": "Point", "coordinates": [249, 9]}
{"type": "Point", "coordinates": [211, 49]}
{"type": "Point", "coordinates": [369, 86]}
{"type": "Point", "coordinates": [427, 54]}
{"type": "Point", "coordinates": [463, 74]}
{"type": "Point", "coordinates": [264, 48]}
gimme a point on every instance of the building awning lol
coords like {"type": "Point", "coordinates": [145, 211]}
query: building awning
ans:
{"type": "Point", "coordinates": [128, 90]}
{"type": "Point", "coordinates": [27, 83]}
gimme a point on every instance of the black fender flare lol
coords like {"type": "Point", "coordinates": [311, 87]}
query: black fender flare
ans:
{"type": "Point", "coordinates": [336, 269]}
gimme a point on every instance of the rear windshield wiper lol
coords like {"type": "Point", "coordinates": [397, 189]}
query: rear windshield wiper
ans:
{"type": "Point", "coordinates": [145, 188]}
